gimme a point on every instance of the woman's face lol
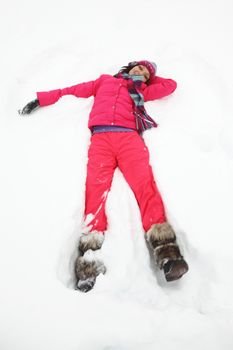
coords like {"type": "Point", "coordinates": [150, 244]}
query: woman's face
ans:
{"type": "Point", "coordinates": [140, 70]}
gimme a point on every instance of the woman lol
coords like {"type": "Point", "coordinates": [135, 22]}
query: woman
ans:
{"type": "Point", "coordinates": [117, 121]}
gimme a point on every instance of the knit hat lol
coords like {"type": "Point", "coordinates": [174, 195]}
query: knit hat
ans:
{"type": "Point", "coordinates": [151, 66]}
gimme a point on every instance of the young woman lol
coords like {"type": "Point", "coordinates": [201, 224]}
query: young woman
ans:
{"type": "Point", "coordinates": [117, 120]}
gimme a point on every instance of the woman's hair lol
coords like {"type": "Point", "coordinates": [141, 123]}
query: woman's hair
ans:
{"type": "Point", "coordinates": [126, 69]}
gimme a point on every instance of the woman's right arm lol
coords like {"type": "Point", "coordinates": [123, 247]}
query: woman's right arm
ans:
{"type": "Point", "coordinates": [46, 98]}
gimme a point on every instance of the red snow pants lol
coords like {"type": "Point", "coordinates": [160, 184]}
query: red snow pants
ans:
{"type": "Point", "coordinates": [127, 151]}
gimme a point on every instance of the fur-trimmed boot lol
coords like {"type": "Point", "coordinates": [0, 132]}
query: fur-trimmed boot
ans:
{"type": "Point", "coordinates": [87, 264]}
{"type": "Point", "coordinates": [162, 239]}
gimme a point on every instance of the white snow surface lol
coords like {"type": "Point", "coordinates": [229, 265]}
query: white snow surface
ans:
{"type": "Point", "coordinates": [51, 44]}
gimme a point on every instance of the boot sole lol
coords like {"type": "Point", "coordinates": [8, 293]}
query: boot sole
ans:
{"type": "Point", "coordinates": [177, 270]}
{"type": "Point", "coordinates": [85, 285]}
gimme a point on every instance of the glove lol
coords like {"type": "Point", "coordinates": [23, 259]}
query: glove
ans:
{"type": "Point", "coordinates": [30, 107]}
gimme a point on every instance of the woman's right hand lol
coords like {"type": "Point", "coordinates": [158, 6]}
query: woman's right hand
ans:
{"type": "Point", "coordinates": [30, 107]}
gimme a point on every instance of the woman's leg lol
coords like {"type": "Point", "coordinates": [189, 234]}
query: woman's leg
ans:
{"type": "Point", "coordinates": [100, 169]}
{"type": "Point", "coordinates": [133, 161]}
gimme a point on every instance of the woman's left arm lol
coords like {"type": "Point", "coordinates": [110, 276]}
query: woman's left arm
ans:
{"type": "Point", "coordinates": [159, 88]}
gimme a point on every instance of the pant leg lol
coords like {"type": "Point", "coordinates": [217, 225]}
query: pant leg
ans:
{"type": "Point", "coordinates": [133, 161]}
{"type": "Point", "coordinates": [100, 170]}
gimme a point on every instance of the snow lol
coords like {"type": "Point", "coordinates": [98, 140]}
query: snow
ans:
{"type": "Point", "coordinates": [43, 157]}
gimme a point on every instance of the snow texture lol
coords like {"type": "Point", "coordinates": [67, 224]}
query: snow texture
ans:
{"type": "Point", "coordinates": [43, 157]}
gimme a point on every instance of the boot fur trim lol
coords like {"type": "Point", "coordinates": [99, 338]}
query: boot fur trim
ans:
{"type": "Point", "coordinates": [92, 240]}
{"type": "Point", "coordinates": [85, 269]}
{"type": "Point", "coordinates": [160, 234]}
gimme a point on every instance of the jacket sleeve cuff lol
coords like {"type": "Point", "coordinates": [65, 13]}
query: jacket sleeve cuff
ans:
{"type": "Point", "coordinates": [48, 97]}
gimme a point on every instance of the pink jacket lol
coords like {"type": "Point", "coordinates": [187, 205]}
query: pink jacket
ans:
{"type": "Point", "coordinates": [112, 102]}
